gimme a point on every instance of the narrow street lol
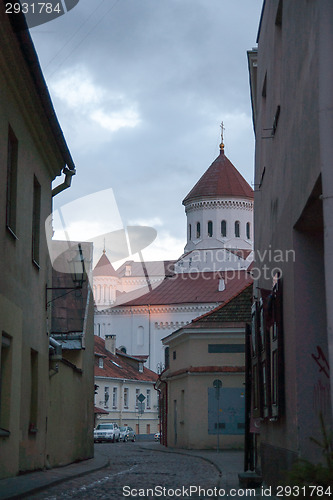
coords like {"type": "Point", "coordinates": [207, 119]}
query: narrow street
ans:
{"type": "Point", "coordinates": [133, 469]}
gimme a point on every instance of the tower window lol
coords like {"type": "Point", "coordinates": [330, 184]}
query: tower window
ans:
{"type": "Point", "coordinates": [198, 229]}
{"type": "Point", "coordinates": [237, 232]}
{"type": "Point", "coordinates": [210, 228]}
{"type": "Point", "coordinates": [224, 228]}
{"type": "Point", "coordinates": [189, 232]}
{"type": "Point", "coordinates": [248, 230]}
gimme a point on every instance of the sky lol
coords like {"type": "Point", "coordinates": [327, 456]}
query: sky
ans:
{"type": "Point", "coordinates": [140, 88]}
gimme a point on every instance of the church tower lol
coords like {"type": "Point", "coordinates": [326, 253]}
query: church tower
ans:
{"type": "Point", "coordinates": [219, 211]}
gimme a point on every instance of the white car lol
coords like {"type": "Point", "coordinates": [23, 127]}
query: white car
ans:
{"type": "Point", "coordinates": [106, 432]}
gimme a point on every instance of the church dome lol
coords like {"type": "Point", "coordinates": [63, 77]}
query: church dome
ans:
{"type": "Point", "coordinates": [220, 180]}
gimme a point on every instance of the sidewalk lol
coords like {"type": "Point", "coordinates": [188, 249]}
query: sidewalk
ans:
{"type": "Point", "coordinates": [20, 486]}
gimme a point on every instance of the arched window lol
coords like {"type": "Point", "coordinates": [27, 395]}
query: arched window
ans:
{"type": "Point", "coordinates": [248, 230]}
{"type": "Point", "coordinates": [237, 233]}
{"type": "Point", "coordinates": [210, 228]}
{"type": "Point", "coordinates": [224, 228]}
{"type": "Point", "coordinates": [189, 232]}
{"type": "Point", "coordinates": [198, 229]}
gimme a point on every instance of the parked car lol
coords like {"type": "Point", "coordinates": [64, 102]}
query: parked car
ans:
{"type": "Point", "coordinates": [107, 432]}
{"type": "Point", "coordinates": [127, 433]}
{"type": "Point", "coordinates": [157, 436]}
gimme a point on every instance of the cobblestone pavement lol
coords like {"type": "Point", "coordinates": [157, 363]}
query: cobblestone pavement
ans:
{"type": "Point", "coordinates": [136, 469]}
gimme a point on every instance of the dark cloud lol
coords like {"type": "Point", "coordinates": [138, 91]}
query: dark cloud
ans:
{"type": "Point", "coordinates": [177, 66]}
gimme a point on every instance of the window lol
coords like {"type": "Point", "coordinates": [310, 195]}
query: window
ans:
{"type": "Point", "coordinates": [174, 354]}
{"type": "Point", "coordinates": [237, 231]}
{"type": "Point", "coordinates": [224, 228]}
{"type": "Point", "coordinates": [11, 181]}
{"type": "Point", "coordinates": [137, 392]}
{"type": "Point", "coordinates": [148, 398]}
{"type": "Point", "coordinates": [125, 397]}
{"type": "Point", "coordinates": [210, 228]}
{"type": "Point", "coordinates": [114, 397]}
{"type": "Point", "coordinates": [198, 229]}
{"type": "Point", "coordinates": [5, 383]}
{"type": "Point", "coordinates": [189, 232]}
{"type": "Point", "coordinates": [33, 391]}
{"type": "Point", "coordinates": [101, 363]}
{"type": "Point", "coordinates": [36, 222]}
{"type": "Point", "coordinates": [248, 230]}
{"type": "Point", "coordinates": [140, 335]}
{"type": "Point", "coordinates": [106, 397]}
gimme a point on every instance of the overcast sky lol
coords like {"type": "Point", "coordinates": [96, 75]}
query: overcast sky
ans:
{"type": "Point", "coordinates": [140, 88]}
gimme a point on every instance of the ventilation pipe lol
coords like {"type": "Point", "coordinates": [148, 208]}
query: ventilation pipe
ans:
{"type": "Point", "coordinates": [57, 348]}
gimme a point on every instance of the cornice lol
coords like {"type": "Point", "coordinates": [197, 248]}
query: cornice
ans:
{"type": "Point", "coordinates": [158, 309]}
{"type": "Point", "coordinates": [213, 204]}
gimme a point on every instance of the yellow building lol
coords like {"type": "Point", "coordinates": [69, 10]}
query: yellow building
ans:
{"type": "Point", "coordinates": [202, 393]}
{"type": "Point", "coordinates": [35, 391]}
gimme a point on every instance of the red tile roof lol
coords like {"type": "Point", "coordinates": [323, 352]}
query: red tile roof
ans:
{"type": "Point", "coordinates": [104, 267]}
{"type": "Point", "coordinates": [100, 411]}
{"type": "Point", "coordinates": [185, 288]}
{"type": "Point", "coordinates": [117, 366]}
{"type": "Point", "coordinates": [220, 179]}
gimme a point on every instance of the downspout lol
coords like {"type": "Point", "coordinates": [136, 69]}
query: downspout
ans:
{"type": "Point", "coordinates": [67, 182]}
{"type": "Point", "coordinates": [57, 347]}
{"type": "Point", "coordinates": [325, 78]}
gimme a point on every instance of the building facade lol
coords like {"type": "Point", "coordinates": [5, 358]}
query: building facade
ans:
{"type": "Point", "coordinates": [291, 88]}
{"type": "Point", "coordinates": [32, 153]}
{"type": "Point", "coordinates": [202, 388]}
{"type": "Point", "coordinates": [124, 388]}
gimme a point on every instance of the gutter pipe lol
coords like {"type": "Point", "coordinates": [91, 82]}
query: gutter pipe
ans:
{"type": "Point", "coordinates": [67, 182]}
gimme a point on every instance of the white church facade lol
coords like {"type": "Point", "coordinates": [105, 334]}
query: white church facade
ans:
{"type": "Point", "coordinates": [141, 303]}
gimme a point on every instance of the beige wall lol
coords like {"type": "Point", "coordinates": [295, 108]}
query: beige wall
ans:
{"type": "Point", "coordinates": [26, 416]}
{"type": "Point", "coordinates": [188, 393]}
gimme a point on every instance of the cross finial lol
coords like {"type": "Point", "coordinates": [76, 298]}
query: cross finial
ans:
{"type": "Point", "coordinates": [104, 247]}
{"type": "Point", "coordinates": [222, 143]}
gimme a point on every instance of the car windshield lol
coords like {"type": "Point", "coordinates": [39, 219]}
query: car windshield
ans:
{"type": "Point", "coordinates": [122, 429]}
{"type": "Point", "coordinates": [104, 426]}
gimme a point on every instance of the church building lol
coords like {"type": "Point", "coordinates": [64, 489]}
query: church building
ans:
{"type": "Point", "coordinates": [145, 302]}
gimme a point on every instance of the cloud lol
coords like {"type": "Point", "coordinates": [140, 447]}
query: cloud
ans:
{"type": "Point", "coordinates": [112, 111]}
{"type": "Point", "coordinates": [116, 120]}
{"type": "Point", "coordinates": [153, 222]}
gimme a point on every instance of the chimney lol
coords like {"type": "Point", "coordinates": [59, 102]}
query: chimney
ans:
{"type": "Point", "coordinates": [221, 285]}
{"type": "Point", "coordinates": [110, 343]}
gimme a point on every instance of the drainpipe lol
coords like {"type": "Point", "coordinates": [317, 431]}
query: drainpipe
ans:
{"type": "Point", "coordinates": [325, 82]}
{"type": "Point", "coordinates": [57, 347]}
{"type": "Point", "coordinates": [69, 172]}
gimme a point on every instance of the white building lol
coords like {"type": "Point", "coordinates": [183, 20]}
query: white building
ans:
{"type": "Point", "coordinates": [216, 257]}
{"type": "Point", "coordinates": [119, 380]}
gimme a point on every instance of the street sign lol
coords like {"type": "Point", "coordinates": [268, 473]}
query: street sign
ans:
{"type": "Point", "coordinates": [141, 407]}
{"type": "Point", "coordinates": [141, 398]}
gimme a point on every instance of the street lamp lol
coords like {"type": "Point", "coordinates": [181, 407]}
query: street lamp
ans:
{"type": "Point", "coordinates": [78, 274]}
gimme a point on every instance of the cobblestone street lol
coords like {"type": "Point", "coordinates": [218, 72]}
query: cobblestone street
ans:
{"type": "Point", "coordinates": [137, 469]}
